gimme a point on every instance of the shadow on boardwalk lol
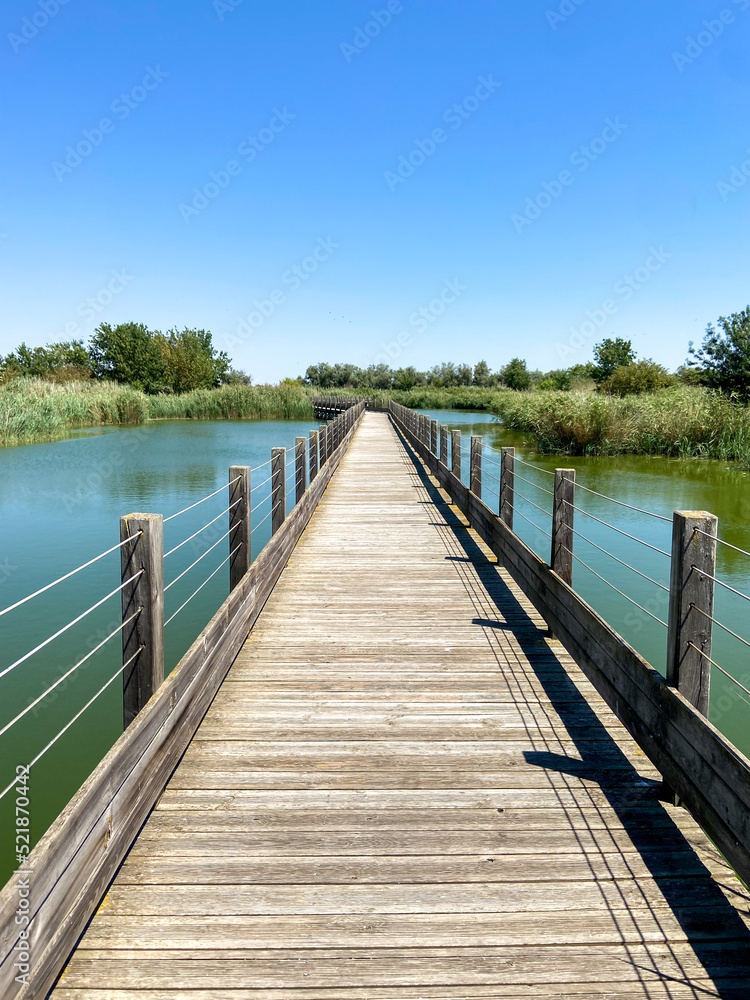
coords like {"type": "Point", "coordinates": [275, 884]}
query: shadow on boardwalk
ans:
{"type": "Point", "coordinates": [701, 903]}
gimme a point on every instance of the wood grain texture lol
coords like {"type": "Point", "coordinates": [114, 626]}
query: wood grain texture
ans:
{"type": "Point", "coordinates": [404, 788]}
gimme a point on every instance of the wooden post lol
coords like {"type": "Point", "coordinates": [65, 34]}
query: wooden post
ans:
{"type": "Point", "coordinates": [143, 638]}
{"type": "Point", "coordinates": [300, 468]}
{"type": "Point", "coordinates": [313, 450]}
{"type": "Point", "coordinates": [322, 443]}
{"type": "Point", "coordinates": [444, 446]}
{"type": "Point", "coordinates": [278, 488]}
{"type": "Point", "coordinates": [690, 593]}
{"type": "Point", "coordinates": [507, 485]}
{"type": "Point", "coordinates": [239, 523]}
{"type": "Point", "coordinates": [561, 559]}
{"type": "Point", "coordinates": [456, 453]}
{"type": "Point", "coordinates": [434, 436]}
{"type": "Point", "coordinates": [475, 466]}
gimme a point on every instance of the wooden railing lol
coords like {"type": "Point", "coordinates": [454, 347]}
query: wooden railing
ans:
{"type": "Point", "coordinates": [43, 913]}
{"type": "Point", "coordinates": [702, 769]}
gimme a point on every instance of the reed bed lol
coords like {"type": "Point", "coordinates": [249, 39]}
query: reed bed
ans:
{"type": "Point", "coordinates": [684, 421]}
{"type": "Point", "coordinates": [33, 411]}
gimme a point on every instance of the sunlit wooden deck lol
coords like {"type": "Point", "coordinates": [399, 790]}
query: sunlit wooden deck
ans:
{"type": "Point", "coordinates": [405, 789]}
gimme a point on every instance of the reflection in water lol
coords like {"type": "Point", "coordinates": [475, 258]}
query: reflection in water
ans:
{"type": "Point", "coordinates": [654, 483]}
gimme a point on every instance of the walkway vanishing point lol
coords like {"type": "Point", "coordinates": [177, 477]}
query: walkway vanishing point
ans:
{"type": "Point", "coordinates": [405, 788]}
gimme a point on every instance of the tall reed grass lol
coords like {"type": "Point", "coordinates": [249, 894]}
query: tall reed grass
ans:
{"type": "Point", "coordinates": [32, 410]}
{"type": "Point", "coordinates": [686, 421]}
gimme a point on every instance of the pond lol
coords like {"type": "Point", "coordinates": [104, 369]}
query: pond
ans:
{"type": "Point", "coordinates": [60, 506]}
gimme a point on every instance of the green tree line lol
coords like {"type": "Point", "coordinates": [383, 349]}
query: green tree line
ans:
{"type": "Point", "coordinates": [721, 363]}
{"type": "Point", "coordinates": [177, 361]}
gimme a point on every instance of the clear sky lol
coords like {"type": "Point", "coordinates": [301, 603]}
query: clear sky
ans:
{"type": "Point", "coordinates": [234, 165]}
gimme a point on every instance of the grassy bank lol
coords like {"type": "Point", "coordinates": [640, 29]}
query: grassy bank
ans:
{"type": "Point", "coordinates": [33, 411]}
{"type": "Point", "coordinates": [686, 421]}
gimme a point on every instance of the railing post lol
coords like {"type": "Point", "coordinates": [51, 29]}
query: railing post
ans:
{"type": "Point", "coordinates": [322, 434]}
{"type": "Point", "coordinates": [444, 445]}
{"type": "Point", "coordinates": [456, 453]}
{"type": "Point", "coordinates": [300, 468]}
{"type": "Point", "coordinates": [691, 591]}
{"type": "Point", "coordinates": [507, 485]}
{"type": "Point", "coordinates": [434, 437]}
{"type": "Point", "coordinates": [143, 638]}
{"type": "Point", "coordinates": [278, 488]}
{"type": "Point", "coordinates": [313, 449]}
{"type": "Point", "coordinates": [475, 466]}
{"type": "Point", "coordinates": [561, 558]}
{"type": "Point", "coordinates": [239, 523]}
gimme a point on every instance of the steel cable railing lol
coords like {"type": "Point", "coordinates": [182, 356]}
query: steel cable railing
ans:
{"type": "Point", "coordinates": [199, 502]}
{"type": "Point", "coordinates": [68, 673]}
{"type": "Point", "coordinates": [202, 556]}
{"type": "Point", "coordinates": [75, 718]}
{"type": "Point", "coordinates": [73, 572]}
{"type": "Point", "coordinates": [616, 589]}
{"type": "Point", "coordinates": [207, 525]}
{"type": "Point", "coordinates": [198, 589]}
{"type": "Point", "coordinates": [46, 642]}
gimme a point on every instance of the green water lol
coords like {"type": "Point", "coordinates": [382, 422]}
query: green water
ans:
{"type": "Point", "coordinates": [60, 506]}
{"type": "Point", "coordinates": [654, 483]}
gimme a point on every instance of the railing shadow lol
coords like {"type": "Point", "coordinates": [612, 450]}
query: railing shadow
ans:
{"type": "Point", "coordinates": [711, 925]}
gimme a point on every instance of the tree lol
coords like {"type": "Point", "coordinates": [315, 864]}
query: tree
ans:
{"type": "Point", "coordinates": [611, 354]}
{"type": "Point", "coordinates": [482, 376]}
{"type": "Point", "coordinates": [128, 353]}
{"type": "Point", "coordinates": [516, 374]}
{"type": "Point", "coordinates": [724, 357]}
{"type": "Point", "coordinates": [64, 361]}
{"type": "Point", "coordinates": [637, 377]}
{"type": "Point", "coordinates": [407, 378]}
{"type": "Point", "coordinates": [191, 361]}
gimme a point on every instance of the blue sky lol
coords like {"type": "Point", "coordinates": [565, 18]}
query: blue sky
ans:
{"type": "Point", "coordinates": [566, 173]}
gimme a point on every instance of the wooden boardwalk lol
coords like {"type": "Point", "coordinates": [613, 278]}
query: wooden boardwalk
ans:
{"type": "Point", "coordinates": [405, 789]}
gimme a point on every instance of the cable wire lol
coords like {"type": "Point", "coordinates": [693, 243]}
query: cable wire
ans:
{"type": "Point", "coordinates": [716, 622]}
{"type": "Point", "coordinates": [199, 502]}
{"type": "Point", "coordinates": [59, 680]}
{"type": "Point", "coordinates": [222, 563]}
{"type": "Point", "coordinates": [75, 718]}
{"type": "Point", "coordinates": [208, 525]}
{"type": "Point", "coordinates": [722, 542]}
{"type": "Point", "coordinates": [616, 589]}
{"type": "Point", "coordinates": [625, 533]}
{"type": "Point", "coordinates": [720, 669]}
{"type": "Point", "coordinates": [73, 572]}
{"type": "Point", "coordinates": [173, 582]}
{"type": "Point", "coordinates": [258, 485]}
{"type": "Point", "coordinates": [261, 522]}
{"type": "Point", "coordinates": [659, 517]}
{"type": "Point", "coordinates": [65, 628]}
{"type": "Point", "coordinates": [526, 499]}
{"type": "Point", "coordinates": [261, 502]}
{"type": "Point", "coordinates": [720, 582]}
{"type": "Point", "coordinates": [530, 466]}
{"type": "Point", "coordinates": [622, 563]}
{"type": "Point", "coordinates": [533, 523]}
